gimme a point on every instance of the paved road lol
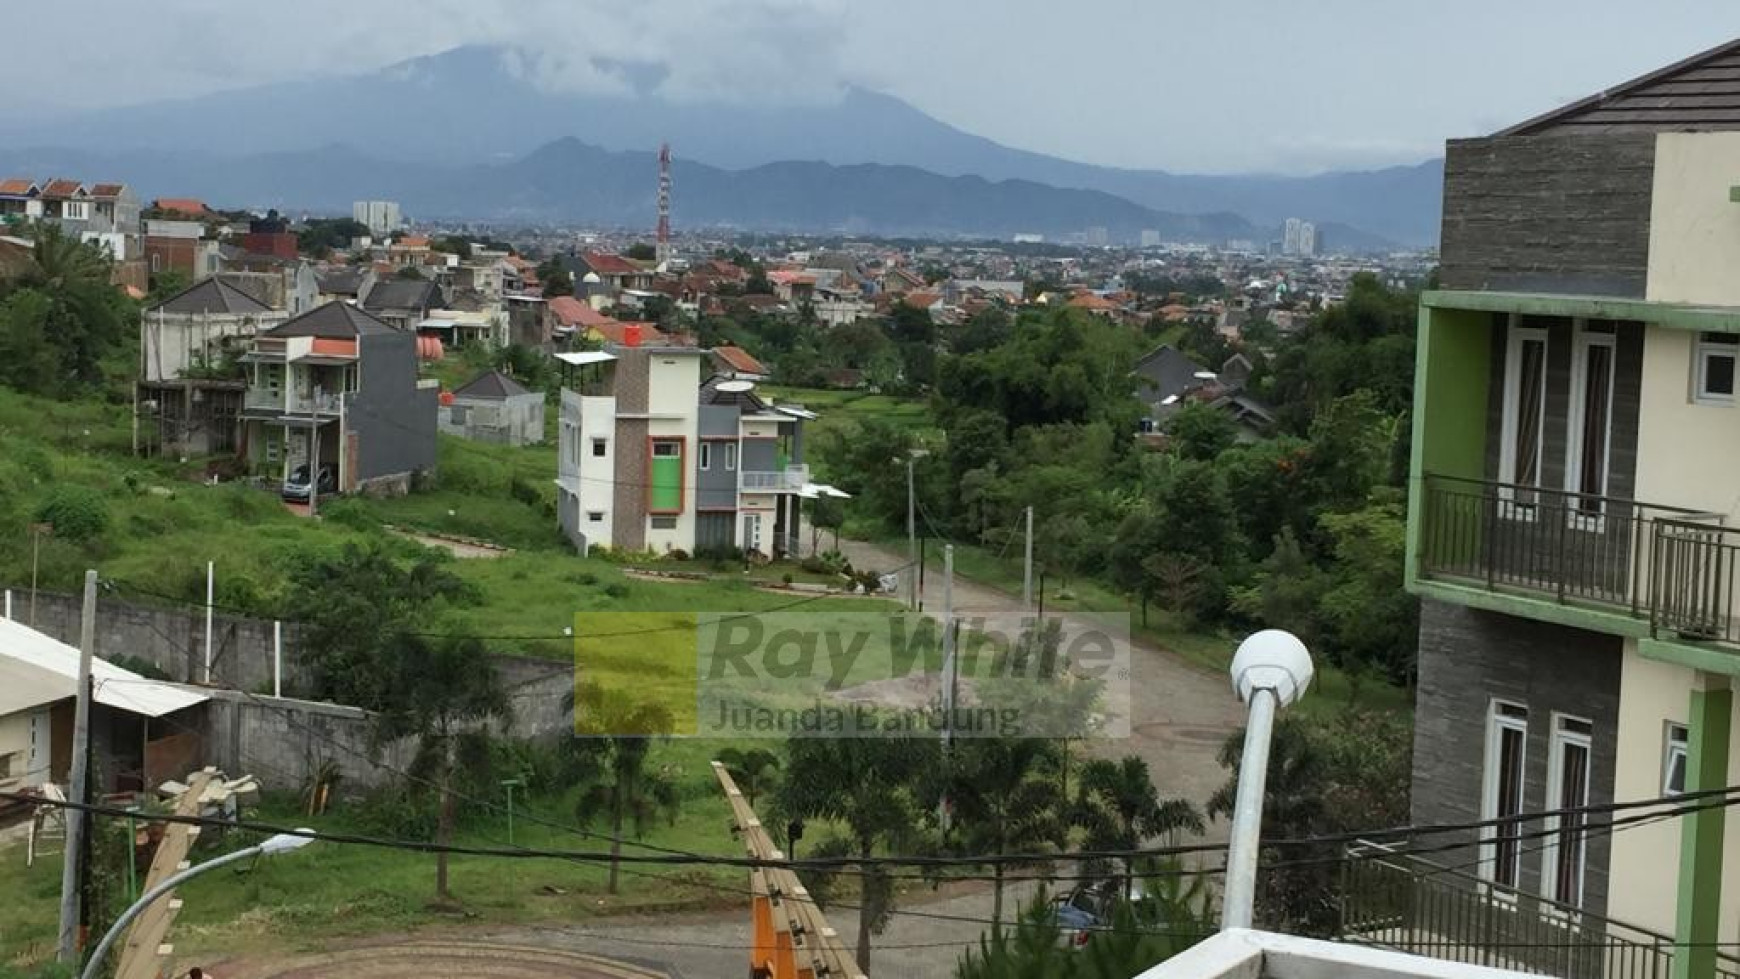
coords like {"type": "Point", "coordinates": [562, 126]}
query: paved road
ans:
{"type": "Point", "coordinates": [1179, 712]}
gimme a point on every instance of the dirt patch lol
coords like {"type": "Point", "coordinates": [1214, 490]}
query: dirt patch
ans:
{"type": "Point", "coordinates": [432, 959]}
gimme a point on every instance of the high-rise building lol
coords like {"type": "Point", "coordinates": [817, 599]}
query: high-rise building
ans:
{"type": "Point", "coordinates": [1307, 239]}
{"type": "Point", "coordinates": [1150, 238]}
{"type": "Point", "coordinates": [381, 217]}
{"type": "Point", "coordinates": [1298, 237]}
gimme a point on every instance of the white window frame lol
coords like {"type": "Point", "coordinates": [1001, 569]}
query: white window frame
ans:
{"type": "Point", "coordinates": [1676, 740]}
{"type": "Point", "coordinates": [730, 456]}
{"type": "Point", "coordinates": [706, 454]}
{"type": "Point", "coordinates": [1582, 341]}
{"type": "Point", "coordinates": [667, 448]}
{"type": "Point", "coordinates": [1516, 336]}
{"type": "Point", "coordinates": [1563, 737]}
{"type": "Point", "coordinates": [1702, 350]}
{"type": "Point", "coordinates": [1497, 723]}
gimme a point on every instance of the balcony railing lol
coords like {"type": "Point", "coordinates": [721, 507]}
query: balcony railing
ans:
{"type": "Point", "coordinates": [1403, 902]}
{"type": "Point", "coordinates": [1675, 567]}
{"type": "Point", "coordinates": [788, 480]}
{"type": "Point", "coordinates": [269, 400]}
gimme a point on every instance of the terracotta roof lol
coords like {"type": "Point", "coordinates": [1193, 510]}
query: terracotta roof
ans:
{"type": "Point", "coordinates": [573, 312]}
{"type": "Point", "coordinates": [1087, 300]}
{"type": "Point", "coordinates": [62, 188]}
{"type": "Point", "coordinates": [491, 386]}
{"type": "Point", "coordinates": [921, 300]}
{"type": "Point", "coordinates": [182, 205]}
{"type": "Point", "coordinates": [617, 332]}
{"type": "Point", "coordinates": [334, 321]}
{"type": "Point", "coordinates": [412, 241]}
{"type": "Point", "coordinates": [107, 190]}
{"type": "Point", "coordinates": [604, 263]}
{"type": "Point", "coordinates": [17, 186]}
{"type": "Point", "coordinates": [739, 360]}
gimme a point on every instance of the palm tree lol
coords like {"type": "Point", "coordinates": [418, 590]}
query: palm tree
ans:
{"type": "Point", "coordinates": [1294, 807]}
{"type": "Point", "coordinates": [754, 770]}
{"type": "Point", "coordinates": [1119, 807]}
{"type": "Point", "coordinates": [85, 314]}
{"type": "Point", "coordinates": [1005, 800]}
{"type": "Point", "coordinates": [867, 784]}
{"type": "Point", "coordinates": [610, 756]}
{"type": "Point", "coordinates": [445, 695]}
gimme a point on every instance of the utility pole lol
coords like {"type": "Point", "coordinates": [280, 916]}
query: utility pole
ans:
{"type": "Point", "coordinates": [1027, 567]}
{"type": "Point", "coordinates": [314, 460]}
{"type": "Point", "coordinates": [911, 537]}
{"type": "Point", "coordinates": [37, 530]}
{"type": "Point", "coordinates": [948, 674]}
{"type": "Point", "coordinates": [79, 791]}
{"type": "Point", "coordinates": [210, 597]}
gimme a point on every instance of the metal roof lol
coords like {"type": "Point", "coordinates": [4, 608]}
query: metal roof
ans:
{"type": "Point", "coordinates": [28, 652]}
{"type": "Point", "coordinates": [581, 358]}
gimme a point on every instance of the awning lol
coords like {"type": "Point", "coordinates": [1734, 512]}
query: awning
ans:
{"type": "Point", "coordinates": [581, 358]}
{"type": "Point", "coordinates": [811, 491]}
{"type": "Point", "coordinates": [796, 412]}
{"type": "Point", "coordinates": [54, 667]}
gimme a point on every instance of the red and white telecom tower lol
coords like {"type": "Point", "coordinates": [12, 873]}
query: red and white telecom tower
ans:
{"type": "Point", "coordinates": [663, 253]}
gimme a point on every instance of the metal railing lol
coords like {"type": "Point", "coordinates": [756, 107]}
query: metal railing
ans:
{"type": "Point", "coordinates": [1403, 902]}
{"type": "Point", "coordinates": [1692, 588]}
{"type": "Point", "coordinates": [787, 480]}
{"type": "Point", "coordinates": [1577, 547]}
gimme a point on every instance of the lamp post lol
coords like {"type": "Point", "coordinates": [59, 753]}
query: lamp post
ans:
{"type": "Point", "coordinates": [281, 843]}
{"type": "Point", "coordinates": [1270, 670]}
{"type": "Point", "coordinates": [912, 457]}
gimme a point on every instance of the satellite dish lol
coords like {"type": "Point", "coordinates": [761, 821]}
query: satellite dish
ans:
{"type": "Point", "coordinates": [736, 387]}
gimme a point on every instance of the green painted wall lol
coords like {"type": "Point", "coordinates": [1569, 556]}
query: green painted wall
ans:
{"type": "Point", "coordinates": [1698, 915]}
{"type": "Point", "coordinates": [1453, 361]}
{"type": "Point", "coordinates": [666, 479]}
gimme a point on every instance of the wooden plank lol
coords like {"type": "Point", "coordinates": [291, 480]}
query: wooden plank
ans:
{"type": "Point", "coordinates": [141, 947]}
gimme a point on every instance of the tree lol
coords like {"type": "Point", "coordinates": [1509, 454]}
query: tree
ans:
{"type": "Point", "coordinates": [610, 757]}
{"type": "Point", "coordinates": [1201, 431]}
{"type": "Point", "coordinates": [325, 234]}
{"type": "Point", "coordinates": [1173, 916]}
{"type": "Point", "coordinates": [826, 513]}
{"type": "Point", "coordinates": [754, 770]}
{"type": "Point", "coordinates": [75, 318]}
{"type": "Point", "coordinates": [867, 786]}
{"type": "Point", "coordinates": [409, 272]}
{"type": "Point", "coordinates": [640, 251]}
{"type": "Point", "coordinates": [165, 284]}
{"type": "Point", "coordinates": [1120, 809]}
{"type": "Point", "coordinates": [554, 278]}
{"type": "Point", "coordinates": [445, 693]}
{"type": "Point", "coordinates": [452, 245]}
{"type": "Point", "coordinates": [1004, 801]}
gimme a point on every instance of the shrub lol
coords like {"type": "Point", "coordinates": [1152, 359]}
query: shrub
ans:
{"type": "Point", "coordinates": [786, 577]}
{"type": "Point", "coordinates": [523, 491]}
{"type": "Point", "coordinates": [585, 578]}
{"type": "Point", "coordinates": [616, 589]}
{"type": "Point", "coordinates": [678, 555]}
{"type": "Point", "coordinates": [78, 513]}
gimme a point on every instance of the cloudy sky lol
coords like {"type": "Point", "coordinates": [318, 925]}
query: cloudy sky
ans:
{"type": "Point", "coordinates": [1192, 85]}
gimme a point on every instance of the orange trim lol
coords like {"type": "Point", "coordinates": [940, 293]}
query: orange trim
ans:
{"type": "Point", "coordinates": [682, 473]}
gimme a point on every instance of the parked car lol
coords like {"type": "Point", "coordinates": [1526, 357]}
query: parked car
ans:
{"type": "Point", "coordinates": [1088, 908]}
{"type": "Point", "coordinates": [296, 488]}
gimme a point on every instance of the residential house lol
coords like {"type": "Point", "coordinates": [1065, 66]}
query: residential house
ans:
{"type": "Point", "coordinates": [185, 208]}
{"type": "Point", "coordinates": [900, 280]}
{"type": "Point", "coordinates": [287, 284]}
{"type": "Point", "coordinates": [189, 383]}
{"type": "Point", "coordinates": [1573, 507]}
{"type": "Point", "coordinates": [793, 285]}
{"type": "Point", "coordinates": [484, 277]}
{"type": "Point", "coordinates": [339, 387]}
{"type": "Point", "coordinates": [1167, 380]}
{"type": "Point", "coordinates": [737, 364]}
{"type": "Point", "coordinates": [181, 247]}
{"type": "Point", "coordinates": [615, 275]}
{"type": "Point", "coordinates": [20, 200]}
{"type": "Point", "coordinates": [408, 250]}
{"type": "Point", "coordinates": [494, 407]}
{"type": "Point", "coordinates": [142, 731]}
{"type": "Point", "coordinates": [530, 322]}
{"type": "Point", "coordinates": [344, 283]}
{"type": "Point", "coordinates": [655, 453]}
{"type": "Point", "coordinates": [462, 327]}
{"type": "Point", "coordinates": [403, 303]}
{"type": "Point", "coordinates": [840, 305]}
{"type": "Point", "coordinates": [271, 237]}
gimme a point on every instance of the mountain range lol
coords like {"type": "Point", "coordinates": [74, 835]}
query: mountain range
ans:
{"type": "Point", "coordinates": [472, 133]}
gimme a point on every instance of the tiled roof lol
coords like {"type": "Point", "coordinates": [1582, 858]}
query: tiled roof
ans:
{"type": "Point", "coordinates": [1700, 93]}
{"type": "Point", "coordinates": [182, 205]}
{"type": "Point", "coordinates": [573, 312]}
{"type": "Point", "coordinates": [17, 186]}
{"type": "Point", "coordinates": [340, 281]}
{"type": "Point", "coordinates": [739, 360]}
{"type": "Point", "coordinates": [107, 190]}
{"type": "Point", "coordinates": [617, 333]}
{"type": "Point", "coordinates": [210, 296]}
{"type": "Point", "coordinates": [403, 294]}
{"type": "Point", "coordinates": [604, 263]}
{"type": "Point", "coordinates": [62, 188]}
{"type": "Point", "coordinates": [334, 321]}
{"type": "Point", "coordinates": [491, 385]}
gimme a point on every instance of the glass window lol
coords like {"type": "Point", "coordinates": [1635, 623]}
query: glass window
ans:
{"type": "Point", "coordinates": [667, 450]}
{"type": "Point", "coordinates": [730, 456]}
{"type": "Point", "coordinates": [596, 516]}
{"type": "Point", "coordinates": [664, 523]}
{"type": "Point", "coordinates": [1714, 370]}
{"type": "Point", "coordinates": [1568, 788]}
{"type": "Point", "coordinates": [706, 455]}
{"type": "Point", "coordinates": [1673, 760]}
{"type": "Point", "coordinates": [598, 448]}
{"type": "Point", "coordinates": [1592, 418]}
{"type": "Point", "coordinates": [1506, 746]}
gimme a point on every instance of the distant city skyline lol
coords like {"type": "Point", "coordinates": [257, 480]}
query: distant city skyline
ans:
{"type": "Point", "coordinates": [1211, 88]}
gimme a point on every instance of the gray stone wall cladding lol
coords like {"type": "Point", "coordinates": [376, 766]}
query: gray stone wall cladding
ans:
{"type": "Point", "coordinates": [1470, 657]}
{"type": "Point", "coordinates": [1551, 213]}
{"type": "Point", "coordinates": [629, 522]}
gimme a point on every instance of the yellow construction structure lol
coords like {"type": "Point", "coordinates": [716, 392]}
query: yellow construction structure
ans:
{"type": "Point", "coordinates": [792, 939]}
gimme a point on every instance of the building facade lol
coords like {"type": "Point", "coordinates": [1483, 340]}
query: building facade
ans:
{"type": "Point", "coordinates": [1574, 502]}
{"type": "Point", "coordinates": [382, 218]}
{"type": "Point", "coordinates": [657, 453]}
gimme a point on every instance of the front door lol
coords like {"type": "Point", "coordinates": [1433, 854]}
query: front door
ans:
{"type": "Point", "coordinates": [751, 540]}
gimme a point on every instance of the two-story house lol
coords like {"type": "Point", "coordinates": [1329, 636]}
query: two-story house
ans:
{"type": "Point", "coordinates": [656, 453]}
{"type": "Point", "coordinates": [339, 387]}
{"type": "Point", "coordinates": [190, 384]}
{"type": "Point", "coordinates": [1574, 510]}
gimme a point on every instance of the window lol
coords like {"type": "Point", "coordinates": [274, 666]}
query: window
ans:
{"type": "Point", "coordinates": [1713, 371]}
{"type": "Point", "coordinates": [271, 446]}
{"type": "Point", "coordinates": [599, 447]}
{"type": "Point", "coordinates": [1507, 730]}
{"type": "Point", "coordinates": [667, 450]}
{"type": "Point", "coordinates": [730, 456]}
{"type": "Point", "coordinates": [1525, 412]}
{"type": "Point", "coordinates": [156, 262]}
{"type": "Point", "coordinates": [1567, 788]}
{"type": "Point", "coordinates": [1673, 760]}
{"type": "Point", "coordinates": [595, 516]}
{"type": "Point", "coordinates": [664, 523]}
{"type": "Point", "coordinates": [706, 455]}
{"type": "Point", "coordinates": [1591, 424]}
{"type": "Point", "coordinates": [6, 765]}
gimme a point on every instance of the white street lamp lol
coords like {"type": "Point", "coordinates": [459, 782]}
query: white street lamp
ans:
{"type": "Point", "coordinates": [281, 843]}
{"type": "Point", "coordinates": [1270, 670]}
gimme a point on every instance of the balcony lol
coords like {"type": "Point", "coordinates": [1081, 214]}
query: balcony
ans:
{"type": "Point", "coordinates": [1399, 901]}
{"type": "Point", "coordinates": [791, 479]}
{"type": "Point", "coordinates": [268, 400]}
{"type": "Point", "coordinates": [1672, 568]}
